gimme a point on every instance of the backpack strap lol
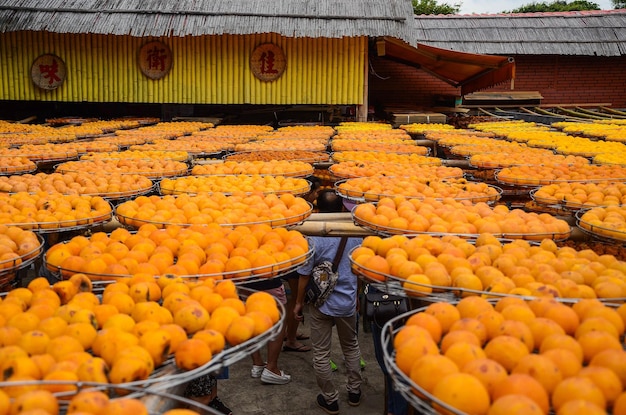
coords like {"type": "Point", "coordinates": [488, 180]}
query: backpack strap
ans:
{"type": "Point", "coordinates": [340, 249]}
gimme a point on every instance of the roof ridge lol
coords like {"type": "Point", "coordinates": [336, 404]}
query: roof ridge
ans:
{"type": "Point", "coordinates": [576, 13]}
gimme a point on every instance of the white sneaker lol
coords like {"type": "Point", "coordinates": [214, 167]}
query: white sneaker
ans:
{"type": "Point", "coordinates": [272, 378]}
{"type": "Point", "coordinates": [257, 371]}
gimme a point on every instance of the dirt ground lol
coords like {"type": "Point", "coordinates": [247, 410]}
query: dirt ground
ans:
{"type": "Point", "coordinates": [245, 395]}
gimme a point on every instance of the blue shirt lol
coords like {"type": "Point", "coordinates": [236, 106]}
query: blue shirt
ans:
{"type": "Point", "coordinates": [342, 301]}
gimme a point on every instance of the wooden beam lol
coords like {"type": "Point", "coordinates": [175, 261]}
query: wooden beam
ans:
{"type": "Point", "coordinates": [588, 104]}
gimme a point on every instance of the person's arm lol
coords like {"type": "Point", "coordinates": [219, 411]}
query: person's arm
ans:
{"type": "Point", "coordinates": [303, 280]}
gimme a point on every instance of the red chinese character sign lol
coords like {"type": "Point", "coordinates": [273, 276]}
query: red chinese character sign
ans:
{"type": "Point", "coordinates": [48, 71]}
{"type": "Point", "coordinates": [155, 59]}
{"type": "Point", "coordinates": [267, 62]}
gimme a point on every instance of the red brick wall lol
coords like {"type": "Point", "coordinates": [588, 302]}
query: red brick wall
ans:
{"type": "Point", "coordinates": [559, 79]}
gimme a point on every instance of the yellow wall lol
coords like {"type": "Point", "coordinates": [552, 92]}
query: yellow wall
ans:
{"type": "Point", "coordinates": [205, 70]}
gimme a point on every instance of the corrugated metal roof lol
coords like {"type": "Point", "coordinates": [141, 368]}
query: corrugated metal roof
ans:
{"type": "Point", "coordinates": [140, 18]}
{"type": "Point", "coordinates": [589, 33]}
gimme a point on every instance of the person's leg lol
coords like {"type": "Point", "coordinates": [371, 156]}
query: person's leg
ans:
{"type": "Point", "coordinates": [258, 364]}
{"type": "Point", "coordinates": [291, 338]}
{"type": "Point", "coordinates": [290, 318]}
{"type": "Point", "coordinates": [321, 337]}
{"type": "Point", "coordinates": [257, 359]}
{"type": "Point", "coordinates": [274, 347]}
{"type": "Point", "coordinates": [348, 339]}
{"type": "Point", "coordinates": [272, 373]}
{"type": "Point", "coordinates": [217, 404]}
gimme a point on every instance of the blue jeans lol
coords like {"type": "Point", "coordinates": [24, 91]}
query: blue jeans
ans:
{"type": "Point", "coordinates": [396, 404]}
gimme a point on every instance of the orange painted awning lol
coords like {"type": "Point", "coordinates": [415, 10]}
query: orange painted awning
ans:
{"type": "Point", "coordinates": [469, 71]}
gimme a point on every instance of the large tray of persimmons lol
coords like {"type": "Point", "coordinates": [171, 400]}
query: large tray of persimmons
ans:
{"type": "Point", "coordinates": [233, 184]}
{"type": "Point", "coordinates": [574, 196]}
{"type": "Point", "coordinates": [111, 186]}
{"type": "Point", "coordinates": [369, 189]}
{"type": "Point", "coordinates": [538, 175]}
{"type": "Point", "coordinates": [45, 212]}
{"type": "Point", "coordinates": [428, 266]}
{"type": "Point", "coordinates": [352, 169]}
{"type": "Point", "coordinates": [604, 222]}
{"type": "Point", "coordinates": [510, 355]}
{"type": "Point", "coordinates": [405, 216]}
{"type": "Point", "coordinates": [141, 331]}
{"type": "Point", "coordinates": [19, 248]}
{"type": "Point", "coordinates": [214, 208]}
{"type": "Point", "coordinates": [241, 254]}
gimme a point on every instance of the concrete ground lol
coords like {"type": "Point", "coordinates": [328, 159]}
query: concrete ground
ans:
{"type": "Point", "coordinates": [245, 395]}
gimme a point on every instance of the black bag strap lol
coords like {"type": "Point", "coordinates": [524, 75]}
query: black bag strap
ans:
{"type": "Point", "coordinates": [340, 249]}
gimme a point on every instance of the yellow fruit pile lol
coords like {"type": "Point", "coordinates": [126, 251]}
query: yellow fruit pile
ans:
{"type": "Point", "coordinates": [374, 188]}
{"type": "Point", "coordinates": [18, 139]}
{"type": "Point", "coordinates": [307, 132]}
{"type": "Point", "coordinates": [151, 168]}
{"type": "Point", "coordinates": [577, 195]}
{"type": "Point", "coordinates": [170, 129]}
{"type": "Point", "coordinates": [533, 175]}
{"type": "Point", "coordinates": [513, 356]}
{"type": "Point", "coordinates": [284, 144]}
{"type": "Point", "coordinates": [365, 156]}
{"type": "Point", "coordinates": [359, 127]}
{"type": "Point", "coordinates": [41, 152]}
{"type": "Point", "coordinates": [237, 132]}
{"type": "Point", "coordinates": [493, 146]}
{"type": "Point", "coordinates": [219, 208]}
{"type": "Point", "coordinates": [491, 268]}
{"type": "Point", "coordinates": [19, 134]}
{"type": "Point", "coordinates": [52, 211]}
{"type": "Point", "coordinates": [12, 127]}
{"type": "Point", "coordinates": [350, 169]}
{"type": "Point", "coordinates": [175, 155]}
{"type": "Point", "coordinates": [97, 184]}
{"type": "Point", "coordinates": [16, 246]}
{"type": "Point", "coordinates": [83, 147]}
{"type": "Point", "coordinates": [506, 128]}
{"type": "Point", "coordinates": [188, 146]}
{"type": "Point", "coordinates": [232, 184]}
{"type": "Point", "coordinates": [390, 147]}
{"type": "Point", "coordinates": [94, 128]}
{"type": "Point", "coordinates": [224, 139]}
{"type": "Point", "coordinates": [606, 130]}
{"type": "Point", "coordinates": [269, 155]}
{"type": "Point", "coordinates": [67, 333]}
{"type": "Point", "coordinates": [16, 164]}
{"type": "Point", "coordinates": [400, 215]}
{"type": "Point", "coordinates": [422, 128]}
{"type": "Point", "coordinates": [587, 148]}
{"type": "Point", "coordinates": [525, 157]}
{"type": "Point", "coordinates": [290, 168]}
{"type": "Point", "coordinates": [609, 221]}
{"type": "Point", "coordinates": [200, 251]}
{"type": "Point", "coordinates": [616, 158]}
{"type": "Point", "coordinates": [383, 135]}
{"type": "Point", "coordinates": [125, 138]}
{"type": "Point", "coordinates": [456, 136]}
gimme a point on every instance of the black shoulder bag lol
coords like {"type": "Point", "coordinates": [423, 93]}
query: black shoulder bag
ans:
{"type": "Point", "coordinates": [381, 307]}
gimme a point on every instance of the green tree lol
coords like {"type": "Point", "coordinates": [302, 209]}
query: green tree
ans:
{"type": "Point", "coordinates": [619, 4]}
{"type": "Point", "coordinates": [558, 6]}
{"type": "Point", "coordinates": [432, 7]}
